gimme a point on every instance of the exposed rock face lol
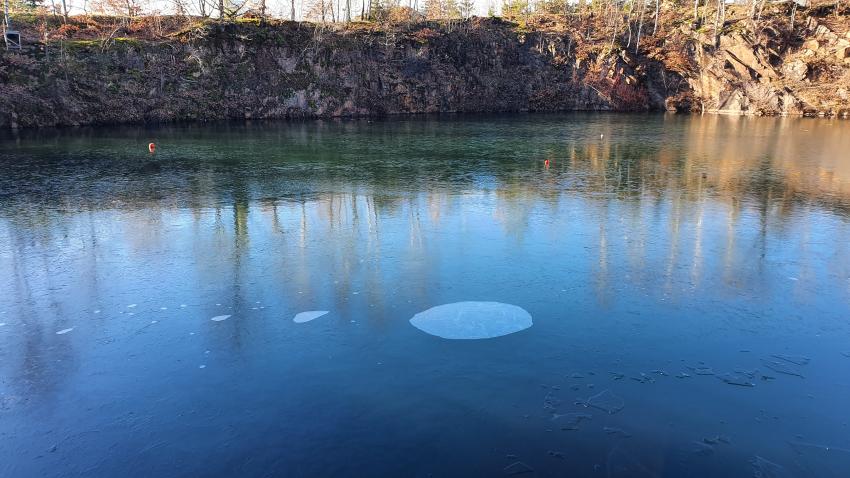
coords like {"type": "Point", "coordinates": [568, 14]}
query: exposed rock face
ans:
{"type": "Point", "coordinates": [222, 71]}
{"type": "Point", "coordinates": [766, 73]}
{"type": "Point", "coordinates": [238, 71]}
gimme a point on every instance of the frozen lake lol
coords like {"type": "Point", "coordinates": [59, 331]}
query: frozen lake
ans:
{"type": "Point", "coordinates": [645, 295]}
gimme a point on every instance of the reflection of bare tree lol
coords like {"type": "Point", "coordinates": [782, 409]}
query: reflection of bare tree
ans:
{"type": "Point", "coordinates": [43, 359]}
{"type": "Point", "coordinates": [358, 208]}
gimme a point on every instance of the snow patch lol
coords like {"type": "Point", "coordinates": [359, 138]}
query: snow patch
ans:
{"type": "Point", "coordinates": [472, 320]}
{"type": "Point", "coordinates": [309, 315]}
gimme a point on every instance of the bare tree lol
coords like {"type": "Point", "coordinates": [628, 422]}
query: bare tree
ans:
{"type": "Point", "coordinates": [640, 25]}
{"type": "Point", "coordinates": [655, 24]}
{"type": "Point", "coordinates": [466, 7]}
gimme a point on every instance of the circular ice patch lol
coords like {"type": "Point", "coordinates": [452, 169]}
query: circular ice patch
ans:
{"type": "Point", "coordinates": [472, 320]}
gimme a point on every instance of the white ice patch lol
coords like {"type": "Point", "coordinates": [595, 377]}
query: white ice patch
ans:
{"type": "Point", "coordinates": [302, 317]}
{"type": "Point", "coordinates": [219, 318]}
{"type": "Point", "coordinates": [472, 320]}
{"type": "Point", "coordinates": [64, 331]}
{"type": "Point", "coordinates": [131, 306]}
{"type": "Point", "coordinates": [2, 324]}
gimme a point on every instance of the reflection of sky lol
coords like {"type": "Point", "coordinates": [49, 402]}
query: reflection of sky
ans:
{"type": "Point", "coordinates": [316, 253]}
{"type": "Point", "coordinates": [672, 239]}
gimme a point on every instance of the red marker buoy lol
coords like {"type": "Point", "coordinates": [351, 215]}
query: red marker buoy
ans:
{"type": "Point", "coordinates": [152, 147]}
{"type": "Point", "coordinates": [546, 163]}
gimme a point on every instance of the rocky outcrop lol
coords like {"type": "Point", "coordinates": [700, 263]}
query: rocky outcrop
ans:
{"type": "Point", "coordinates": [770, 72]}
{"type": "Point", "coordinates": [245, 70]}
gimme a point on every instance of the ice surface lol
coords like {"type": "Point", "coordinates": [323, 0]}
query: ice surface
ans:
{"type": "Point", "coordinates": [781, 367]}
{"type": "Point", "coordinates": [2, 324]}
{"type": "Point", "coordinates": [570, 421]}
{"type": "Point", "coordinates": [795, 359]}
{"type": "Point", "coordinates": [309, 315]}
{"type": "Point", "coordinates": [472, 320]}
{"type": "Point", "coordinates": [518, 468]}
{"type": "Point", "coordinates": [822, 461]}
{"type": "Point", "coordinates": [700, 449]}
{"type": "Point", "coordinates": [743, 379]}
{"type": "Point", "coordinates": [131, 306]}
{"type": "Point", "coordinates": [64, 331]}
{"type": "Point", "coordinates": [605, 401]}
{"type": "Point", "coordinates": [702, 370]}
{"type": "Point", "coordinates": [763, 468]}
{"type": "Point", "coordinates": [643, 378]}
{"type": "Point", "coordinates": [219, 318]}
{"type": "Point", "coordinates": [550, 402]}
{"type": "Point", "coordinates": [617, 432]}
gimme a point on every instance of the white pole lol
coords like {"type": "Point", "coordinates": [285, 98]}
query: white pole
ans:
{"type": "Point", "coordinates": [8, 24]}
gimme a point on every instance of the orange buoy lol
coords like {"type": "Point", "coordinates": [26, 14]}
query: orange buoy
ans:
{"type": "Point", "coordinates": [546, 163]}
{"type": "Point", "coordinates": [152, 147]}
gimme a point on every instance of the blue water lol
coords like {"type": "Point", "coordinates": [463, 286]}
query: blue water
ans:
{"type": "Point", "coordinates": [659, 256]}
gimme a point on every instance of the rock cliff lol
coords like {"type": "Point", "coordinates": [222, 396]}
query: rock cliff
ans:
{"type": "Point", "coordinates": [245, 69]}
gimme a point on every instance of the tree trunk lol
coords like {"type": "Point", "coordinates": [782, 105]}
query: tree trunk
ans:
{"type": "Point", "coordinates": [640, 24]}
{"type": "Point", "coordinates": [65, 11]}
{"type": "Point", "coordinates": [718, 26]}
{"type": "Point", "coordinates": [793, 14]}
{"type": "Point", "coordinates": [655, 25]}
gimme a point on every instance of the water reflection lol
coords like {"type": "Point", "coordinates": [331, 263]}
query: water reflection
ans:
{"type": "Point", "coordinates": [679, 228]}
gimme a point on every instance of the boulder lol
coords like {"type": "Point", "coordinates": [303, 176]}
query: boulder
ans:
{"type": "Point", "coordinates": [811, 44]}
{"type": "Point", "coordinates": [842, 52]}
{"type": "Point", "coordinates": [795, 70]}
